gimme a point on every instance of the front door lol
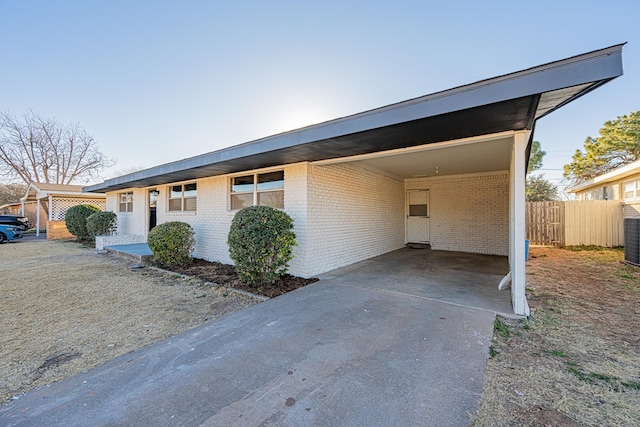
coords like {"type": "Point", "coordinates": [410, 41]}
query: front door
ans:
{"type": "Point", "coordinates": [153, 202]}
{"type": "Point", "coordinates": [418, 216]}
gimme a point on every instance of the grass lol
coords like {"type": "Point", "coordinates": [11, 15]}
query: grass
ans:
{"type": "Point", "coordinates": [592, 248]}
{"type": "Point", "coordinates": [501, 328]}
{"type": "Point", "coordinates": [576, 360]}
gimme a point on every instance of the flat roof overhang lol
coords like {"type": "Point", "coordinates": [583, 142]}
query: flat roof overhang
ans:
{"type": "Point", "coordinates": [510, 102]}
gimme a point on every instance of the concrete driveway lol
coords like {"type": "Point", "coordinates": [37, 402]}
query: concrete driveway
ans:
{"type": "Point", "coordinates": [355, 349]}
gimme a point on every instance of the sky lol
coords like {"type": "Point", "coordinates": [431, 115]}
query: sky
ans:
{"type": "Point", "coordinates": [156, 81]}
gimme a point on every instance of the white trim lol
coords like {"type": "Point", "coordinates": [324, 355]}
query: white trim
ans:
{"type": "Point", "coordinates": [406, 213]}
{"type": "Point", "coordinates": [614, 175]}
{"type": "Point", "coordinates": [517, 226]}
{"type": "Point", "coordinates": [437, 178]}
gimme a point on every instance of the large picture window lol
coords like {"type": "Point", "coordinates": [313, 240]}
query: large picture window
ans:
{"type": "Point", "coordinates": [125, 202]}
{"type": "Point", "coordinates": [261, 189]}
{"type": "Point", "coordinates": [183, 197]}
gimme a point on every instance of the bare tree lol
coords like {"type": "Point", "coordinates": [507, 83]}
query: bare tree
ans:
{"type": "Point", "coordinates": [37, 149]}
{"type": "Point", "coordinates": [11, 193]}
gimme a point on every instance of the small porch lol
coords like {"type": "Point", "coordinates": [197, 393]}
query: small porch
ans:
{"type": "Point", "coordinates": [139, 252]}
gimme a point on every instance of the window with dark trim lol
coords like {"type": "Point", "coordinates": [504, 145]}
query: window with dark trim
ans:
{"type": "Point", "coordinates": [259, 189]}
{"type": "Point", "coordinates": [125, 202]}
{"type": "Point", "coordinates": [183, 197]}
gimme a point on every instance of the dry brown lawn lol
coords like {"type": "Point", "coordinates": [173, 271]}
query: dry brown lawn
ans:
{"type": "Point", "coordinates": [66, 309]}
{"type": "Point", "coordinates": [576, 361]}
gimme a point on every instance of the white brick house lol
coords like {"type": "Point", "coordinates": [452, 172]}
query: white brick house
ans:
{"type": "Point", "coordinates": [446, 169]}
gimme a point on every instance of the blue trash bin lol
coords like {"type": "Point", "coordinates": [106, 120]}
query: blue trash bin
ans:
{"type": "Point", "coordinates": [526, 249]}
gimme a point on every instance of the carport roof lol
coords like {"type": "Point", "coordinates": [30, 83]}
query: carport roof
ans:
{"type": "Point", "coordinates": [506, 103]}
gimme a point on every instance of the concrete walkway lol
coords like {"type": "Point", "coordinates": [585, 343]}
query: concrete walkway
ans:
{"type": "Point", "coordinates": [137, 251]}
{"type": "Point", "coordinates": [335, 353]}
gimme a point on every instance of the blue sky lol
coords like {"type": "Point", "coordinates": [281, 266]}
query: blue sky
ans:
{"type": "Point", "coordinates": [157, 81]}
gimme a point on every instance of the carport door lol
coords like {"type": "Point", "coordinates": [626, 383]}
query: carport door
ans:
{"type": "Point", "coordinates": [418, 216]}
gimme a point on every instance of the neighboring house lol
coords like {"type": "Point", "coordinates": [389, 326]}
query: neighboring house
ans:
{"type": "Point", "coordinates": [622, 184]}
{"type": "Point", "coordinates": [446, 169]}
{"type": "Point", "coordinates": [54, 200]}
{"type": "Point", "coordinates": [27, 209]}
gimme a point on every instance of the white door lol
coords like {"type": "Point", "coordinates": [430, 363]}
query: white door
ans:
{"type": "Point", "coordinates": [418, 216]}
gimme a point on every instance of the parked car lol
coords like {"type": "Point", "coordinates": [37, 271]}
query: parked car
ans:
{"type": "Point", "coordinates": [16, 220]}
{"type": "Point", "coordinates": [9, 232]}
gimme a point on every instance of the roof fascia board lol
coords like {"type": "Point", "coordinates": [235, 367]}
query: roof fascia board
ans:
{"type": "Point", "coordinates": [614, 175]}
{"type": "Point", "coordinates": [89, 195]}
{"type": "Point", "coordinates": [603, 64]}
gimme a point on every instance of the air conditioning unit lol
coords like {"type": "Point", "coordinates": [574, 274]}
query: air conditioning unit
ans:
{"type": "Point", "coordinates": [632, 241]}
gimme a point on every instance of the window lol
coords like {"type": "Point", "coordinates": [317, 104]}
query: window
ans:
{"type": "Point", "coordinates": [631, 190]}
{"type": "Point", "coordinates": [183, 197]}
{"type": "Point", "coordinates": [262, 189]}
{"type": "Point", "coordinates": [125, 202]}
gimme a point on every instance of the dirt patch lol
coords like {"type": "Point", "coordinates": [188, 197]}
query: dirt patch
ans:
{"type": "Point", "coordinates": [225, 274]}
{"type": "Point", "coordinates": [66, 309]}
{"type": "Point", "coordinates": [576, 360]}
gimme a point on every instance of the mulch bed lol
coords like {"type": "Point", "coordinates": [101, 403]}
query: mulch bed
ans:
{"type": "Point", "coordinates": [225, 275]}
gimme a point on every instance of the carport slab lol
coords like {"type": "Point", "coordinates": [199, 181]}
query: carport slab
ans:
{"type": "Point", "coordinates": [324, 355]}
{"type": "Point", "coordinates": [469, 280]}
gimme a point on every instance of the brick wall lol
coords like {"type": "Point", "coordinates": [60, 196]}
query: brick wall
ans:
{"type": "Point", "coordinates": [212, 219]}
{"type": "Point", "coordinates": [122, 239]}
{"type": "Point", "coordinates": [352, 214]}
{"type": "Point", "coordinates": [469, 213]}
{"type": "Point", "coordinates": [57, 230]}
{"type": "Point", "coordinates": [130, 222]}
{"type": "Point", "coordinates": [344, 213]}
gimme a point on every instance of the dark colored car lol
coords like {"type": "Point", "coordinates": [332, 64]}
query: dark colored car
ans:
{"type": "Point", "coordinates": [18, 221]}
{"type": "Point", "coordinates": [9, 232]}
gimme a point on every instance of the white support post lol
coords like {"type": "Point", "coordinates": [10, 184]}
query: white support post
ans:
{"type": "Point", "coordinates": [37, 217]}
{"type": "Point", "coordinates": [517, 228]}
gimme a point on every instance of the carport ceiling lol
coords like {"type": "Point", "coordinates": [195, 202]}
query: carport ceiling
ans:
{"type": "Point", "coordinates": [434, 160]}
{"type": "Point", "coordinates": [506, 103]}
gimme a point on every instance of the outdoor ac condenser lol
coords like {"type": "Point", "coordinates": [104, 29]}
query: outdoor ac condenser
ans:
{"type": "Point", "coordinates": [632, 241]}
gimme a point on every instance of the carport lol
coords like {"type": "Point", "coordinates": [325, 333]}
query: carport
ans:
{"type": "Point", "coordinates": [482, 129]}
{"type": "Point", "coordinates": [476, 137]}
{"type": "Point", "coordinates": [458, 278]}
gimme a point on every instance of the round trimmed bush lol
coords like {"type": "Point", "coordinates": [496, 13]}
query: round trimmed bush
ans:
{"type": "Point", "coordinates": [76, 220]}
{"type": "Point", "coordinates": [102, 224]}
{"type": "Point", "coordinates": [172, 243]}
{"type": "Point", "coordinates": [261, 241]}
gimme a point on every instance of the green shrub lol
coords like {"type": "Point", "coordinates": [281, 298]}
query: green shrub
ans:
{"type": "Point", "coordinates": [101, 224]}
{"type": "Point", "coordinates": [76, 220]}
{"type": "Point", "coordinates": [172, 243]}
{"type": "Point", "coordinates": [261, 242]}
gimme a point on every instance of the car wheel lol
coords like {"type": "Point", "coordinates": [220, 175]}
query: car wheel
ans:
{"type": "Point", "coordinates": [3, 238]}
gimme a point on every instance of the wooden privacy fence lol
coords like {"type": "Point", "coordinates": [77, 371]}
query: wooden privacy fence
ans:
{"type": "Point", "coordinates": [545, 223]}
{"type": "Point", "coordinates": [588, 222]}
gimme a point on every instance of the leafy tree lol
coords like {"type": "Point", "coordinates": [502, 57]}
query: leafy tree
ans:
{"type": "Point", "coordinates": [538, 188]}
{"type": "Point", "coordinates": [535, 158]}
{"type": "Point", "coordinates": [618, 144]}
{"type": "Point", "coordinates": [37, 149]}
{"type": "Point", "coordinates": [11, 193]}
